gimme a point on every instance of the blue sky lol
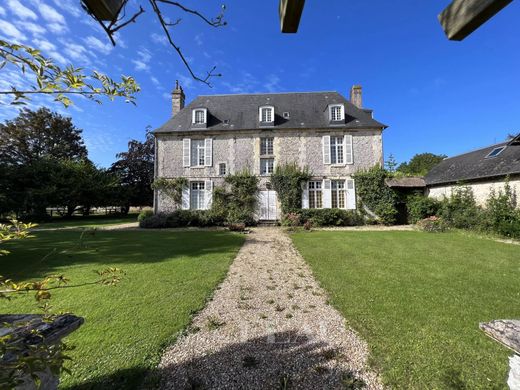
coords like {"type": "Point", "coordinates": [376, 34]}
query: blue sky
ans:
{"type": "Point", "coordinates": [437, 96]}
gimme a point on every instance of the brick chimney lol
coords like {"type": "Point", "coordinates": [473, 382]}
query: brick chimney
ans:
{"type": "Point", "coordinates": [178, 98]}
{"type": "Point", "coordinates": [356, 96]}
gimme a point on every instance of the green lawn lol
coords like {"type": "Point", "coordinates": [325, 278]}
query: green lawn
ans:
{"type": "Point", "coordinates": [417, 299]}
{"type": "Point", "coordinates": [90, 221]}
{"type": "Point", "coordinates": [169, 277]}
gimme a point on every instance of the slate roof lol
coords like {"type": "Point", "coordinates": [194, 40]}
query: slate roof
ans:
{"type": "Point", "coordinates": [307, 110]}
{"type": "Point", "coordinates": [474, 165]}
{"type": "Point", "coordinates": [405, 182]}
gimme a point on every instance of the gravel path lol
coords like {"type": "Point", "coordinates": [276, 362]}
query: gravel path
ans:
{"type": "Point", "coordinates": [268, 326]}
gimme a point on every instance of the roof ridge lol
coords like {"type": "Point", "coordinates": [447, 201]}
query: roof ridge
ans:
{"type": "Point", "coordinates": [267, 93]}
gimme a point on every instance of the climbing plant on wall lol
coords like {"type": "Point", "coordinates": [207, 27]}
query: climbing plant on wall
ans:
{"type": "Point", "coordinates": [171, 188]}
{"type": "Point", "coordinates": [287, 181]}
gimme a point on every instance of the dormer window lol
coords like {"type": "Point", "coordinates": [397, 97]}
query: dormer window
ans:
{"type": "Point", "coordinates": [266, 115]}
{"type": "Point", "coordinates": [199, 116]}
{"type": "Point", "coordinates": [337, 113]}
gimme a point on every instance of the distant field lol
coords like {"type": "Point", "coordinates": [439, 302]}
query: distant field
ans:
{"type": "Point", "coordinates": [90, 221]}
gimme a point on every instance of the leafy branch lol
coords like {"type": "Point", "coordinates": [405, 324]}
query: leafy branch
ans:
{"type": "Point", "coordinates": [50, 79]}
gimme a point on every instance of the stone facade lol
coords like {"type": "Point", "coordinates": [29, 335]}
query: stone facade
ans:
{"type": "Point", "coordinates": [481, 189]}
{"type": "Point", "coordinates": [240, 150]}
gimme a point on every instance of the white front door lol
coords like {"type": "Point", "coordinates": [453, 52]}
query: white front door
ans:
{"type": "Point", "coordinates": [268, 205]}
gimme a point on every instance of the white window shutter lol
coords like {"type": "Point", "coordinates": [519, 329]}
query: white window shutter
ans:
{"type": "Point", "coordinates": [208, 152]}
{"type": "Point", "coordinates": [186, 198]}
{"type": "Point", "coordinates": [327, 194]}
{"type": "Point", "coordinates": [208, 195]}
{"type": "Point", "coordinates": [351, 194]}
{"type": "Point", "coordinates": [326, 149]}
{"type": "Point", "coordinates": [348, 150]}
{"type": "Point", "coordinates": [186, 152]}
{"type": "Point", "coordinates": [305, 195]}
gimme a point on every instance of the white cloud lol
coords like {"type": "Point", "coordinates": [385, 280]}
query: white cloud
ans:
{"type": "Point", "coordinates": [20, 10]}
{"type": "Point", "coordinates": [155, 81]}
{"type": "Point", "coordinates": [44, 45]}
{"type": "Point", "coordinates": [50, 14]}
{"type": "Point", "coordinates": [2, 11]}
{"type": "Point", "coordinates": [158, 38]}
{"type": "Point", "coordinates": [142, 62]}
{"type": "Point", "coordinates": [96, 44]}
{"type": "Point", "coordinates": [33, 28]}
{"type": "Point", "coordinates": [57, 28]}
{"type": "Point", "coordinates": [9, 30]}
{"type": "Point", "coordinates": [75, 51]}
{"type": "Point", "coordinates": [72, 8]}
{"type": "Point", "coordinates": [186, 82]}
{"type": "Point", "coordinates": [198, 39]}
{"type": "Point", "coordinates": [51, 50]}
{"type": "Point", "coordinates": [273, 83]}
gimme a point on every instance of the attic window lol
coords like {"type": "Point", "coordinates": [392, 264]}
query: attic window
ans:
{"type": "Point", "coordinates": [336, 113]}
{"type": "Point", "coordinates": [495, 152]}
{"type": "Point", "coordinates": [286, 115]}
{"type": "Point", "coordinates": [199, 116]}
{"type": "Point", "coordinates": [266, 114]}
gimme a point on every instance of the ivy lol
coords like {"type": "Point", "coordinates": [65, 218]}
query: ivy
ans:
{"type": "Point", "coordinates": [171, 188]}
{"type": "Point", "coordinates": [375, 195]}
{"type": "Point", "coordinates": [287, 182]}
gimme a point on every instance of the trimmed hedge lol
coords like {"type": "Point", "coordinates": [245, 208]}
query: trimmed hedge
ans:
{"type": "Point", "coordinates": [181, 218]}
{"type": "Point", "coordinates": [331, 217]}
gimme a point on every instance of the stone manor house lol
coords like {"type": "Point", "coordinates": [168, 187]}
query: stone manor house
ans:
{"type": "Point", "coordinates": [218, 135]}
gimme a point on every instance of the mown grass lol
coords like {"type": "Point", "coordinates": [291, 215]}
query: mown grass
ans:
{"type": "Point", "coordinates": [89, 221]}
{"type": "Point", "coordinates": [169, 276]}
{"type": "Point", "coordinates": [417, 299]}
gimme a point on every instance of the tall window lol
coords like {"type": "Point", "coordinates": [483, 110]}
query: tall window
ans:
{"type": "Point", "coordinates": [336, 150]}
{"type": "Point", "coordinates": [197, 195]}
{"type": "Point", "coordinates": [336, 113]}
{"type": "Point", "coordinates": [267, 114]}
{"type": "Point", "coordinates": [199, 116]}
{"type": "Point", "coordinates": [222, 169]}
{"type": "Point", "coordinates": [198, 152]}
{"type": "Point", "coordinates": [338, 194]}
{"type": "Point", "coordinates": [266, 146]}
{"type": "Point", "coordinates": [315, 195]}
{"type": "Point", "coordinates": [266, 166]}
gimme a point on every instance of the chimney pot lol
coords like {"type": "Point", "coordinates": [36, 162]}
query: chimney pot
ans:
{"type": "Point", "coordinates": [178, 98]}
{"type": "Point", "coordinates": [356, 96]}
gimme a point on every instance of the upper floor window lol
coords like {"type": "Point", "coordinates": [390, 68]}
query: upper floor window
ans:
{"type": "Point", "coordinates": [197, 152]}
{"type": "Point", "coordinates": [336, 112]}
{"type": "Point", "coordinates": [199, 116]}
{"type": "Point", "coordinates": [267, 114]}
{"type": "Point", "coordinates": [337, 145]}
{"type": "Point", "coordinates": [266, 166]}
{"type": "Point", "coordinates": [266, 146]}
{"type": "Point", "coordinates": [222, 169]}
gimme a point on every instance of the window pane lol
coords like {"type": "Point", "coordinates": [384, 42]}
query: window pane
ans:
{"type": "Point", "coordinates": [222, 169]}
{"type": "Point", "coordinates": [266, 146]}
{"type": "Point", "coordinates": [266, 166]}
{"type": "Point", "coordinates": [197, 152]}
{"type": "Point", "coordinates": [199, 116]}
{"type": "Point", "coordinates": [267, 114]}
{"type": "Point", "coordinates": [197, 195]}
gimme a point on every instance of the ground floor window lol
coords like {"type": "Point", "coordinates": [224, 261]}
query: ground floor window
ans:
{"type": "Point", "coordinates": [338, 194]}
{"type": "Point", "coordinates": [315, 195]}
{"type": "Point", "coordinates": [266, 166]}
{"type": "Point", "coordinates": [197, 195]}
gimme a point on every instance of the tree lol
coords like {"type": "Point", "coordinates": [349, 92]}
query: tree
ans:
{"type": "Point", "coordinates": [135, 169]}
{"type": "Point", "coordinates": [33, 135]}
{"type": "Point", "coordinates": [421, 164]}
{"type": "Point", "coordinates": [391, 164]}
{"type": "Point", "coordinates": [46, 78]}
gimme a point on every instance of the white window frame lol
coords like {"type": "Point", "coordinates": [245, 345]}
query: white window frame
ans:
{"type": "Point", "coordinates": [315, 194]}
{"type": "Point", "coordinates": [266, 173]}
{"type": "Point", "coordinates": [269, 146]}
{"type": "Point", "coordinates": [194, 116]}
{"type": "Point", "coordinates": [498, 150]}
{"type": "Point", "coordinates": [261, 116]}
{"type": "Point", "coordinates": [199, 153]}
{"type": "Point", "coordinates": [338, 194]}
{"type": "Point", "coordinates": [337, 150]}
{"type": "Point", "coordinates": [197, 195]}
{"type": "Point", "coordinates": [333, 117]}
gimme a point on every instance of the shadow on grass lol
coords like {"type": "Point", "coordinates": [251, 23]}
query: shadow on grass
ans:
{"type": "Point", "coordinates": [283, 360]}
{"type": "Point", "coordinates": [51, 250]}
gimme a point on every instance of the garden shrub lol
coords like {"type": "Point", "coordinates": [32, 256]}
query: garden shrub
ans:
{"type": "Point", "coordinates": [154, 221]}
{"type": "Point", "coordinates": [291, 220]}
{"type": "Point", "coordinates": [181, 218]}
{"type": "Point", "coordinates": [287, 181]}
{"type": "Point", "coordinates": [501, 215]}
{"type": "Point", "coordinates": [331, 217]}
{"type": "Point", "coordinates": [144, 214]}
{"type": "Point", "coordinates": [376, 195]}
{"type": "Point", "coordinates": [460, 210]}
{"type": "Point", "coordinates": [432, 224]}
{"type": "Point", "coordinates": [421, 207]}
